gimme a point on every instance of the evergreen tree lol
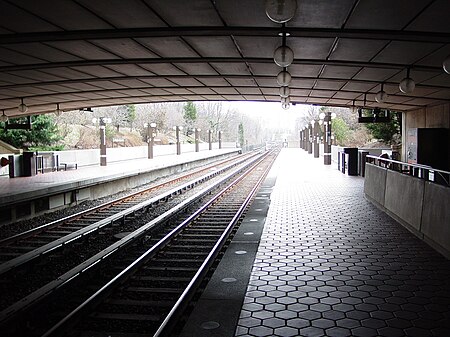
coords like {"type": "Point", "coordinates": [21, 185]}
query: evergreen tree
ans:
{"type": "Point", "coordinates": [131, 109]}
{"type": "Point", "coordinates": [388, 132]}
{"type": "Point", "coordinates": [241, 135]}
{"type": "Point", "coordinates": [189, 116]}
{"type": "Point", "coordinates": [44, 134]}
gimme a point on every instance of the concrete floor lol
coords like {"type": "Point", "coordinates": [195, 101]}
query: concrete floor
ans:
{"type": "Point", "coordinates": [328, 263]}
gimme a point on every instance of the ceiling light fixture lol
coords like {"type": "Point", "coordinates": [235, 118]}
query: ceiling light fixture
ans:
{"type": "Point", "coordinates": [58, 111]}
{"type": "Point", "coordinates": [22, 106]}
{"type": "Point", "coordinates": [283, 56]}
{"type": "Point", "coordinates": [281, 11]}
{"type": "Point", "coordinates": [284, 78]}
{"type": "Point", "coordinates": [446, 65]}
{"type": "Point", "coordinates": [3, 117]}
{"type": "Point", "coordinates": [285, 106]}
{"type": "Point", "coordinates": [381, 95]}
{"type": "Point", "coordinates": [285, 100]}
{"type": "Point", "coordinates": [407, 85]}
{"type": "Point", "coordinates": [285, 91]}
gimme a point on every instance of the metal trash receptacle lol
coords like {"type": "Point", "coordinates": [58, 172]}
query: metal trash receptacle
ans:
{"type": "Point", "coordinates": [351, 154]}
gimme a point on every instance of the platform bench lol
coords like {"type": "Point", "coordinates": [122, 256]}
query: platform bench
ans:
{"type": "Point", "coordinates": [68, 165]}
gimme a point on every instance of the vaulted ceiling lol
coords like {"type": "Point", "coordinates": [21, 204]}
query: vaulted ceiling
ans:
{"type": "Point", "coordinates": [89, 53]}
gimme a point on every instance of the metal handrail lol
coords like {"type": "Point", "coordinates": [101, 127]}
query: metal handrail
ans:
{"type": "Point", "coordinates": [420, 171]}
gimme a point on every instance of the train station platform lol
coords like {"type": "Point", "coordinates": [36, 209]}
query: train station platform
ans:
{"type": "Point", "coordinates": [313, 257]}
{"type": "Point", "coordinates": [24, 196]}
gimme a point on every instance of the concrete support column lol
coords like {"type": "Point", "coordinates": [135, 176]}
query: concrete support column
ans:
{"type": "Point", "coordinates": [102, 145]}
{"type": "Point", "coordinates": [197, 145]}
{"type": "Point", "coordinates": [310, 139]}
{"type": "Point", "coordinates": [220, 139]}
{"type": "Point", "coordinates": [102, 121]}
{"type": "Point", "coordinates": [315, 138]}
{"type": "Point", "coordinates": [151, 133]}
{"type": "Point", "coordinates": [209, 139]}
{"type": "Point", "coordinates": [177, 134]}
{"type": "Point", "coordinates": [301, 139]}
{"type": "Point", "coordinates": [327, 139]}
{"type": "Point", "coordinates": [306, 139]}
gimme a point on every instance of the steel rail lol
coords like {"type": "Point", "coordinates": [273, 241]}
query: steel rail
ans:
{"type": "Point", "coordinates": [72, 274]}
{"type": "Point", "coordinates": [171, 318]}
{"type": "Point", "coordinates": [120, 216]}
{"type": "Point", "coordinates": [103, 292]}
{"type": "Point", "coordinates": [71, 217]}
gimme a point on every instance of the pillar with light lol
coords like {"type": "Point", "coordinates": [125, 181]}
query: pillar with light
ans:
{"type": "Point", "coordinates": [301, 138]}
{"type": "Point", "coordinates": [197, 145]}
{"type": "Point", "coordinates": [315, 138]}
{"type": "Point", "coordinates": [102, 121]}
{"type": "Point", "coordinates": [310, 139]}
{"type": "Point", "coordinates": [151, 133]}
{"type": "Point", "coordinates": [326, 118]}
{"type": "Point", "coordinates": [306, 139]}
{"type": "Point", "coordinates": [209, 140]}
{"type": "Point", "coordinates": [177, 130]}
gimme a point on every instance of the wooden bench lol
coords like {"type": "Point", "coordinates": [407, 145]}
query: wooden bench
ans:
{"type": "Point", "coordinates": [68, 165]}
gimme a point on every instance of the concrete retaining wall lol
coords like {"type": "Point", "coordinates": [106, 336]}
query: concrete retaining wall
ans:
{"type": "Point", "coordinates": [421, 206]}
{"type": "Point", "coordinates": [436, 216]}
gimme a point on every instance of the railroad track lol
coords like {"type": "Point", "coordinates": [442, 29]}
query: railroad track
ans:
{"type": "Point", "coordinates": [12, 313]}
{"type": "Point", "coordinates": [148, 296]}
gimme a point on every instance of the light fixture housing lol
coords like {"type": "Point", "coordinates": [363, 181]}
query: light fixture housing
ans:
{"type": "Point", "coordinates": [285, 106]}
{"type": "Point", "coordinates": [284, 78]}
{"type": "Point", "coordinates": [285, 91]}
{"type": "Point", "coordinates": [3, 117]}
{"type": "Point", "coordinates": [381, 95]}
{"type": "Point", "coordinates": [407, 85]}
{"type": "Point", "coordinates": [281, 11]}
{"type": "Point", "coordinates": [22, 106]}
{"type": "Point", "coordinates": [283, 56]}
{"type": "Point", "coordinates": [446, 65]}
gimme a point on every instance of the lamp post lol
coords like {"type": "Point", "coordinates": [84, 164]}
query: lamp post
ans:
{"type": "Point", "coordinates": [315, 138]}
{"type": "Point", "coordinates": [327, 117]}
{"type": "Point", "coordinates": [310, 139]}
{"type": "Point", "coordinates": [301, 138]}
{"type": "Point", "coordinates": [177, 132]}
{"type": "Point", "coordinates": [151, 133]}
{"type": "Point", "coordinates": [306, 139]}
{"type": "Point", "coordinates": [220, 139]}
{"type": "Point", "coordinates": [209, 139]}
{"type": "Point", "coordinates": [197, 147]}
{"type": "Point", "coordinates": [102, 121]}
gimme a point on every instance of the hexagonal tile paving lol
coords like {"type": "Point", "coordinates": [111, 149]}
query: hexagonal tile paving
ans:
{"type": "Point", "coordinates": [332, 264]}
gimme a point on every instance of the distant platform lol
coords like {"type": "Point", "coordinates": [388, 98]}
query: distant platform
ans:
{"type": "Point", "coordinates": [22, 197]}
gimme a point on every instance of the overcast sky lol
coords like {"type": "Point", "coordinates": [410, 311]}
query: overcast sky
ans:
{"type": "Point", "coordinates": [271, 112]}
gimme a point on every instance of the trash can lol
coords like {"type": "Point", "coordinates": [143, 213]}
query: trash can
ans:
{"type": "Point", "coordinates": [351, 159]}
{"type": "Point", "coordinates": [29, 164]}
{"type": "Point", "coordinates": [362, 162]}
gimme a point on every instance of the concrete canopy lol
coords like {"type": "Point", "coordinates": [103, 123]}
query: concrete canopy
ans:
{"type": "Point", "coordinates": [84, 53]}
